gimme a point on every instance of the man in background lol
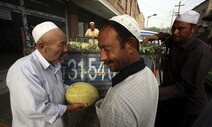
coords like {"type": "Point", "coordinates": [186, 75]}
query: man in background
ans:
{"type": "Point", "coordinates": [92, 34]}
{"type": "Point", "coordinates": [204, 120]}
{"type": "Point", "coordinates": [182, 95]}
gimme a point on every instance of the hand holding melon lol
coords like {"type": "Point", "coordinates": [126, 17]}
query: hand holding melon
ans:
{"type": "Point", "coordinates": [82, 92]}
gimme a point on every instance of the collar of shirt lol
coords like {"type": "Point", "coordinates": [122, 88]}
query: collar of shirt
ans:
{"type": "Point", "coordinates": [180, 48]}
{"type": "Point", "coordinates": [189, 42]}
{"type": "Point", "coordinates": [130, 70]}
{"type": "Point", "coordinates": [45, 63]}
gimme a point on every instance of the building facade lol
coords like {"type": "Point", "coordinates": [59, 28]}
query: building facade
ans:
{"type": "Point", "coordinates": [18, 17]}
{"type": "Point", "coordinates": [204, 27]}
{"type": "Point", "coordinates": [81, 12]}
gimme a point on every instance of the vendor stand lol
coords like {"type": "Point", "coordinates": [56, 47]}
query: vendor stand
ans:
{"type": "Point", "coordinates": [82, 63]}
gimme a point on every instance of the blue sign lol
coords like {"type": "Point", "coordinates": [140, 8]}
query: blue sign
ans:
{"type": "Point", "coordinates": [87, 68]}
{"type": "Point", "coordinates": [79, 67]}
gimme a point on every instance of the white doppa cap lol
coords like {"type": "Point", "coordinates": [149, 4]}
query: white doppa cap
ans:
{"type": "Point", "coordinates": [189, 17]}
{"type": "Point", "coordinates": [129, 23]}
{"type": "Point", "coordinates": [41, 29]}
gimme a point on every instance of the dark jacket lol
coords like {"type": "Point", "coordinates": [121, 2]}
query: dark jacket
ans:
{"type": "Point", "coordinates": [185, 67]}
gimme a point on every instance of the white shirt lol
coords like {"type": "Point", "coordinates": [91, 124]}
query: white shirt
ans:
{"type": "Point", "coordinates": [36, 92]}
{"type": "Point", "coordinates": [131, 103]}
{"type": "Point", "coordinates": [92, 33]}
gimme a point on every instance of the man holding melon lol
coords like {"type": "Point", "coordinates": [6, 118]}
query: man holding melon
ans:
{"type": "Point", "coordinates": [37, 92]}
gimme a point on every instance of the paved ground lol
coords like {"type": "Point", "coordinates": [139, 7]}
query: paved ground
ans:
{"type": "Point", "coordinates": [5, 112]}
{"type": "Point", "coordinates": [3, 87]}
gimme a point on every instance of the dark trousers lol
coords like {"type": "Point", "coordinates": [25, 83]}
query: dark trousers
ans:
{"type": "Point", "coordinates": [168, 116]}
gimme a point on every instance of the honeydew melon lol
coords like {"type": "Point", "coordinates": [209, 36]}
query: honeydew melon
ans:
{"type": "Point", "coordinates": [82, 92]}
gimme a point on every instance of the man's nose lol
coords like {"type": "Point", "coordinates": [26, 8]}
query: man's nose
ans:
{"type": "Point", "coordinates": [175, 31]}
{"type": "Point", "coordinates": [65, 49]}
{"type": "Point", "coordinates": [103, 56]}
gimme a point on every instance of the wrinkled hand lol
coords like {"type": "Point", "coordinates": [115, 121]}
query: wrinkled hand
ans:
{"type": "Point", "coordinates": [75, 107]}
{"type": "Point", "coordinates": [149, 38]}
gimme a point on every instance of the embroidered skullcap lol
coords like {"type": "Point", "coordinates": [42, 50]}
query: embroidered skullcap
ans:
{"type": "Point", "coordinates": [190, 16]}
{"type": "Point", "coordinates": [129, 23]}
{"type": "Point", "coordinates": [41, 29]}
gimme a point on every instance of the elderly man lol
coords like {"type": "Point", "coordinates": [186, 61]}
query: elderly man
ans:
{"type": "Point", "coordinates": [187, 60]}
{"type": "Point", "coordinates": [35, 82]}
{"type": "Point", "coordinates": [132, 99]}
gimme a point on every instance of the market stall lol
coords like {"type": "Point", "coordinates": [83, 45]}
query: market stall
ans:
{"type": "Point", "coordinates": [82, 63]}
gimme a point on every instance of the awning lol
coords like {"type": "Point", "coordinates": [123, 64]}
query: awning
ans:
{"type": "Point", "coordinates": [101, 8]}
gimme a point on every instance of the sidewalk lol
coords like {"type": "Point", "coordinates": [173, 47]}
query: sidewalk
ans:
{"type": "Point", "coordinates": [5, 111]}
{"type": "Point", "coordinates": [3, 87]}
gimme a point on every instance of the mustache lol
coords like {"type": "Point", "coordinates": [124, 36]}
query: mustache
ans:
{"type": "Point", "coordinates": [108, 62]}
{"type": "Point", "coordinates": [64, 54]}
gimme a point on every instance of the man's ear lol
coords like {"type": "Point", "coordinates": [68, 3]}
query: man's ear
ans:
{"type": "Point", "coordinates": [131, 45]}
{"type": "Point", "coordinates": [132, 42]}
{"type": "Point", "coordinates": [40, 45]}
{"type": "Point", "coordinates": [193, 29]}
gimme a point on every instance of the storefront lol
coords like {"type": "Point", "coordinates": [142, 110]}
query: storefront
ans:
{"type": "Point", "coordinates": [16, 16]}
{"type": "Point", "coordinates": [17, 19]}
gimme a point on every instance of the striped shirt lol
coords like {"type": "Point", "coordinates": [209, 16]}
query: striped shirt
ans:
{"type": "Point", "coordinates": [130, 103]}
{"type": "Point", "coordinates": [36, 92]}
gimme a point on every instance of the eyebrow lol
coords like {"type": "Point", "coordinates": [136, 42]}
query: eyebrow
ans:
{"type": "Point", "coordinates": [178, 27]}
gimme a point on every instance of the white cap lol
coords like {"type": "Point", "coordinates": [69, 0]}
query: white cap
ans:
{"type": "Point", "coordinates": [91, 23]}
{"type": "Point", "coordinates": [189, 17]}
{"type": "Point", "coordinates": [129, 23]}
{"type": "Point", "coordinates": [41, 29]}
